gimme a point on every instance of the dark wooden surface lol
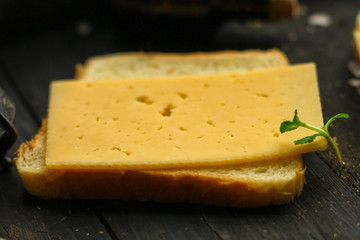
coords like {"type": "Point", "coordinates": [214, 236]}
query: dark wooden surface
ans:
{"type": "Point", "coordinates": [40, 47]}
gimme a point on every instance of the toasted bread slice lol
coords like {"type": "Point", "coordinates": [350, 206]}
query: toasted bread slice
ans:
{"type": "Point", "coordinates": [152, 65]}
{"type": "Point", "coordinates": [245, 185]}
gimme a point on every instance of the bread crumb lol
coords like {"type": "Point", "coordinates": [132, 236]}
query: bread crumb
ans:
{"type": "Point", "coordinates": [320, 20]}
{"type": "Point", "coordinates": [83, 28]}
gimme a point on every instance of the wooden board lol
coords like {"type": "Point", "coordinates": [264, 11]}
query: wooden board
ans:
{"type": "Point", "coordinates": [329, 206]}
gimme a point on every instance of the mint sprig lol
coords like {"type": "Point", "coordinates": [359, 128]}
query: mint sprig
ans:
{"type": "Point", "coordinates": [295, 123]}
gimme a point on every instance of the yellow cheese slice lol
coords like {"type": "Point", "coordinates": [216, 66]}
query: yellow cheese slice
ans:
{"type": "Point", "coordinates": [357, 45]}
{"type": "Point", "coordinates": [181, 121]}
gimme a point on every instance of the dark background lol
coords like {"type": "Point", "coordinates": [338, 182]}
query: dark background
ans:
{"type": "Point", "coordinates": [42, 41]}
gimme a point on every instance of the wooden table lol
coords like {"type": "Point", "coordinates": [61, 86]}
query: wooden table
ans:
{"type": "Point", "coordinates": [35, 49]}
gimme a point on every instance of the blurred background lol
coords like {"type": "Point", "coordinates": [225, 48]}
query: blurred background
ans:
{"type": "Point", "coordinates": [41, 41]}
{"type": "Point", "coordinates": [141, 25]}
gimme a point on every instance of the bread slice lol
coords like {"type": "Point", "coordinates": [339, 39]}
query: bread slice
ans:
{"type": "Point", "coordinates": [244, 185]}
{"type": "Point", "coordinates": [145, 65]}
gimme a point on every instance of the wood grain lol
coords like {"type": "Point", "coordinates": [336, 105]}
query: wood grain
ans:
{"type": "Point", "coordinates": [329, 207]}
{"type": "Point", "coordinates": [26, 217]}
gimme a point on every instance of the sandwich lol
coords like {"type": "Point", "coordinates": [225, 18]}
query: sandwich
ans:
{"type": "Point", "coordinates": [264, 181]}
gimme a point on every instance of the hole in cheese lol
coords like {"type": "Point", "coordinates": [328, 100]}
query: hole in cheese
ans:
{"type": "Point", "coordinates": [167, 111]}
{"type": "Point", "coordinates": [144, 99]}
{"type": "Point", "coordinates": [264, 95]}
{"type": "Point", "coordinates": [182, 129]}
{"type": "Point", "coordinates": [210, 123]}
{"type": "Point", "coordinates": [182, 95]}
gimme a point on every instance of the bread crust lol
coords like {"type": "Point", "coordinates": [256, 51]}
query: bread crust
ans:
{"type": "Point", "coordinates": [219, 187]}
{"type": "Point", "coordinates": [186, 56]}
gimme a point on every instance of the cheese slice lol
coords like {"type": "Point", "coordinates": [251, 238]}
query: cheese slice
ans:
{"type": "Point", "coordinates": [357, 45]}
{"type": "Point", "coordinates": [181, 121]}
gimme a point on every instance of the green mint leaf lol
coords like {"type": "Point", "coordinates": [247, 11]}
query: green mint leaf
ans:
{"type": "Point", "coordinates": [288, 126]}
{"type": "Point", "coordinates": [307, 139]}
